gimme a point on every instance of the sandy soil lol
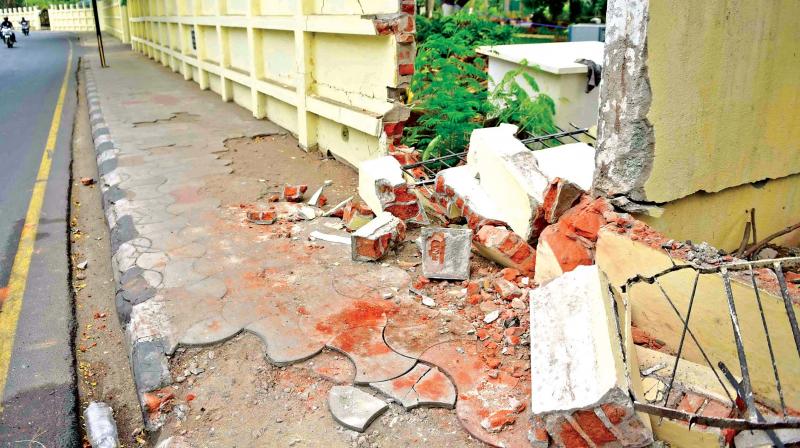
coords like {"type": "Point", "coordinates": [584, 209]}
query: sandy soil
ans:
{"type": "Point", "coordinates": [101, 352]}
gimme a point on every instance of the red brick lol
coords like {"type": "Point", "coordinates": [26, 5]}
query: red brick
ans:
{"type": "Point", "coordinates": [510, 274]}
{"type": "Point", "coordinates": [614, 413]}
{"type": "Point", "coordinates": [716, 409]}
{"type": "Point", "coordinates": [691, 403]}
{"type": "Point", "coordinates": [406, 69]}
{"type": "Point", "coordinates": [571, 437]}
{"type": "Point", "coordinates": [593, 427]}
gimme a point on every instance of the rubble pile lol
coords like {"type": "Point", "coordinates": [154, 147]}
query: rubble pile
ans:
{"type": "Point", "coordinates": [533, 314]}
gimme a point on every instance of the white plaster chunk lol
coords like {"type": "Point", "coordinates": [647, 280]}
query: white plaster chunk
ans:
{"type": "Point", "coordinates": [547, 265]}
{"type": "Point", "coordinates": [464, 182]}
{"type": "Point", "coordinates": [383, 223]}
{"type": "Point", "coordinates": [573, 162]}
{"type": "Point", "coordinates": [354, 408]}
{"type": "Point", "coordinates": [509, 174]}
{"type": "Point", "coordinates": [576, 359]}
{"type": "Point", "coordinates": [372, 173]}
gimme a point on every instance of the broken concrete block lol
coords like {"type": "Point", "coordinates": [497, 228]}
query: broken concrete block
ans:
{"type": "Point", "coordinates": [382, 186]}
{"type": "Point", "coordinates": [293, 193]}
{"type": "Point", "coordinates": [459, 192]}
{"type": "Point", "coordinates": [573, 163]}
{"type": "Point", "coordinates": [579, 382]}
{"type": "Point", "coordinates": [510, 176]}
{"type": "Point", "coordinates": [373, 240]}
{"type": "Point", "coordinates": [505, 247]}
{"type": "Point", "coordinates": [353, 408]}
{"type": "Point", "coordinates": [356, 214]}
{"type": "Point", "coordinates": [446, 253]}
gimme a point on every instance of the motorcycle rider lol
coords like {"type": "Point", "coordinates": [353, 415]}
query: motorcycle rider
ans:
{"type": "Point", "coordinates": [7, 24]}
{"type": "Point", "coordinates": [24, 25]}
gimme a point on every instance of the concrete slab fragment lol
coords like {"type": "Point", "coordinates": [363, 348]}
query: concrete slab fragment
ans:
{"type": "Point", "coordinates": [579, 383]}
{"type": "Point", "coordinates": [446, 253]}
{"type": "Point", "coordinates": [354, 408]}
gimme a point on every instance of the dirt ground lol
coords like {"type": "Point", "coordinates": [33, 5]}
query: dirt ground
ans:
{"type": "Point", "coordinates": [239, 398]}
{"type": "Point", "coordinates": [235, 397]}
{"type": "Point", "coordinates": [101, 352]}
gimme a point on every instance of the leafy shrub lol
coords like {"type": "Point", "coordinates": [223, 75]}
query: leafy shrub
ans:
{"type": "Point", "coordinates": [449, 86]}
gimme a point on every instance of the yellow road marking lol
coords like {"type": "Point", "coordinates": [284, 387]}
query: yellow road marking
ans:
{"type": "Point", "coordinates": [9, 313]}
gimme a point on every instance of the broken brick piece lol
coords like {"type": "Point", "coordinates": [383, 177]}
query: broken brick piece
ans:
{"type": "Point", "coordinates": [262, 216]}
{"type": "Point", "coordinates": [559, 197]}
{"type": "Point", "coordinates": [382, 186]}
{"type": "Point", "coordinates": [458, 191]}
{"type": "Point", "coordinates": [506, 289]}
{"type": "Point", "coordinates": [446, 253]}
{"type": "Point", "coordinates": [86, 181]}
{"type": "Point", "coordinates": [579, 382]}
{"type": "Point", "coordinates": [373, 240]}
{"type": "Point", "coordinates": [293, 193]}
{"type": "Point", "coordinates": [355, 214]}
{"type": "Point", "coordinates": [505, 247]}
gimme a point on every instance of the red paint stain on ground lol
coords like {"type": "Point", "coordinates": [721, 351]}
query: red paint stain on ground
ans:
{"type": "Point", "coordinates": [164, 100]}
{"type": "Point", "coordinates": [433, 386]}
{"type": "Point", "coordinates": [3, 294]}
{"type": "Point", "coordinates": [186, 195]}
{"type": "Point", "coordinates": [360, 313]}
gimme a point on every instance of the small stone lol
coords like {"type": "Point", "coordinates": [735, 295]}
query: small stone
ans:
{"type": "Point", "coordinates": [429, 302]}
{"type": "Point", "coordinates": [211, 355]}
{"type": "Point", "coordinates": [387, 295]}
{"type": "Point", "coordinates": [82, 265]}
{"type": "Point", "coordinates": [180, 379]}
{"type": "Point", "coordinates": [492, 316]}
{"type": "Point", "coordinates": [86, 181]}
{"type": "Point", "coordinates": [518, 304]}
{"type": "Point", "coordinates": [197, 370]}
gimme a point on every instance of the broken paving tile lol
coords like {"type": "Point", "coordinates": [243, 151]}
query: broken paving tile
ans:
{"type": "Point", "coordinates": [435, 389]}
{"type": "Point", "coordinates": [374, 360]}
{"type": "Point", "coordinates": [286, 342]}
{"type": "Point", "coordinates": [209, 331]}
{"type": "Point", "coordinates": [422, 386]}
{"type": "Point", "coordinates": [446, 253]}
{"type": "Point", "coordinates": [483, 401]}
{"type": "Point", "coordinates": [401, 389]}
{"type": "Point", "coordinates": [354, 408]}
{"type": "Point", "coordinates": [356, 214]}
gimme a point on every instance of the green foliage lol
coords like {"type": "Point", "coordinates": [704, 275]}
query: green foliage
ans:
{"type": "Point", "coordinates": [449, 83]}
{"type": "Point", "coordinates": [513, 104]}
{"type": "Point", "coordinates": [450, 87]}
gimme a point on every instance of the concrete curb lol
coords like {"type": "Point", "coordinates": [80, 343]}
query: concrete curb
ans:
{"type": "Point", "coordinates": [147, 352]}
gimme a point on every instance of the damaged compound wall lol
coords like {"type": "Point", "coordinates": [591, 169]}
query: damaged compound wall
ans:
{"type": "Point", "coordinates": [333, 72]}
{"type": "Point", "coordinates": [698, 115]}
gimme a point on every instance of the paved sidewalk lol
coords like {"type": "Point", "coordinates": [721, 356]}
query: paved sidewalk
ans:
{"type": "Point", "coordinates": [178, 179]}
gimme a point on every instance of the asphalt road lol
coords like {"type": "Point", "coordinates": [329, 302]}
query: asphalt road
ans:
{"type": "Point", "coordinates": [38, 400]}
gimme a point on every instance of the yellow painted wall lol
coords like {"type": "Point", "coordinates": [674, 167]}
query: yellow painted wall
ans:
{"type": "Point", "coordinates": [114, 19]}
{"type": "Point", "coordinates": [70, 18]}
{"type": "Point", "coordinates": [30, 13]}
{"type": "Point", "coordinates": [318, 68]}
{"type": "Point", "coordinates": [622, 258]}
{"type": "Point", "coordinates": [725, 94]}
{"type": "Point", "coordinates": [719, 218]}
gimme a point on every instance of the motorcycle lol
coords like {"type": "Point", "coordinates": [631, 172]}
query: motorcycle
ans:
{"type": "Point", "coordinates": [8, 36]}
{"type": "Point", "coordinates": [26, 28]}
